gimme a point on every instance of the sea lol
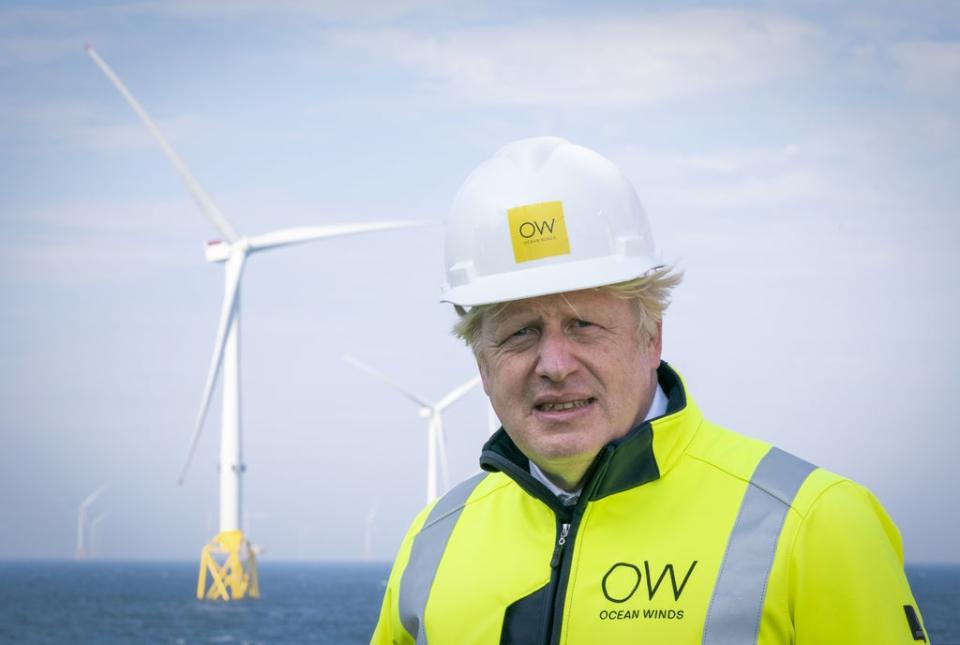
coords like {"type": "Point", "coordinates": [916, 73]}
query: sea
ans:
{"type": "Point", "coordinates": [134, 603]}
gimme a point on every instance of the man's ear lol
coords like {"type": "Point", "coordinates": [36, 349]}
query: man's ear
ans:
{"type": "Point", "coordinates": [656, 343]}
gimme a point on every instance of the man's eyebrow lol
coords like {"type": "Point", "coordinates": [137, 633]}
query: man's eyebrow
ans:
{"type": "Point", "coordinates": [508, 317]}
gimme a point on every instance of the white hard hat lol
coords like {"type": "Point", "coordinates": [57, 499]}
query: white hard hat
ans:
{"type": "Point", "coordinates": [543, 216]}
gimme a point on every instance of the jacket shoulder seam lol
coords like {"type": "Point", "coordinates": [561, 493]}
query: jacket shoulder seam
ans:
{"type": "Point", "coordinates": [716, 466]}
{"type": "Point", "coordinates": [790, 504]}
{"type": "Point", "coordinates": [830, 486]}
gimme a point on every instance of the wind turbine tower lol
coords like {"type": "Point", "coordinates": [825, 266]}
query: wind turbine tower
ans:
{"type": "Point", "coordinates": [228, 568]}
{"type": "Point", "coordinates": [433, 412]}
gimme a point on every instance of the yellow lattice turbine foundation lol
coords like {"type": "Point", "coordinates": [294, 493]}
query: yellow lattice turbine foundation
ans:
{"type": "Point", "coordinates": [230, 564]}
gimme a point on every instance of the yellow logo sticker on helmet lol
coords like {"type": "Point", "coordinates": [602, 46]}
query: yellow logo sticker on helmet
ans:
{"type": "Point", "coordinates": [538, 231]}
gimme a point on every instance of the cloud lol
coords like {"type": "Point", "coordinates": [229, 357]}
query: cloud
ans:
{"type": "Point", "coordinates": [739, 161]}
{"type": "Point", "coordinates": [90, 125]}
{"type": "Point", "coordinates": [36, 35]}
{"type": "Point", "coordinates": [789, 188]}
{"type": "Point", "coordinates": [929, 65]}
{"type": "Point", "coordinates": [631, 61]}
{"type": "Point", "coordinates": [29, 34]}
{"type": "Point", "coordinates": [26, 49]}
{"type": "Point", "coordinates": [347, 11]}
{"type": "Point", "coordinates": [80, 242]}
{"type": "Point", "coordinates": [738, 178]}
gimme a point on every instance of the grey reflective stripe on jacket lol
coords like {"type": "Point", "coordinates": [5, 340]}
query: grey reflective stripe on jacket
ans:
{"type": "Point", "coordinates": [425, 554]}
{"type": "Point", "coordinates": [737, 603]}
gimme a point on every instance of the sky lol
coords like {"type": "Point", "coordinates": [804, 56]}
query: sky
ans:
{"type": "Point", "coordinates": [799, 164]}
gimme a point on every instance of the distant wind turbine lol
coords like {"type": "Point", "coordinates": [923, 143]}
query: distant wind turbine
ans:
{"type": "Point", "coordinates": [233, 251]}
{"type": "Point", "coordinates": [431, 411]}
{"type": "Point", "coordinates": [82, 521]}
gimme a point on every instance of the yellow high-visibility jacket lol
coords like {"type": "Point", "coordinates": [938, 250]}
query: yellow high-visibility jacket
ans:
{"type": "Point", "coordinates": [684, 533]}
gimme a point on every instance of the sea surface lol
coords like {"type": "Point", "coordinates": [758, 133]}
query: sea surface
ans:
{"type": "Point", "coordinates": [123, 602]}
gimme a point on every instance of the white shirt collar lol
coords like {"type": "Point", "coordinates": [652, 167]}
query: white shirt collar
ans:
{"type": "Point", "coordinates": [658, 407]}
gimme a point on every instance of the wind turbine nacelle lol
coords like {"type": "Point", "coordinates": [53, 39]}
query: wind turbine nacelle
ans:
{"type": "Point", "coordinates": [217, 251]}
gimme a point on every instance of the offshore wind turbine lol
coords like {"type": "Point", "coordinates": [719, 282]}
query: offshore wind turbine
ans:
{"type": "Point", "coordinates": [434, 413]}
{"type": "Point", "coordinates": [81, 552]}
{"type": "Point", "coordinates": [236, 576]}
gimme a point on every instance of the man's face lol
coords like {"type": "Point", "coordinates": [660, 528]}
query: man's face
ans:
{"type": "Point", "coordinates": [567, 374]}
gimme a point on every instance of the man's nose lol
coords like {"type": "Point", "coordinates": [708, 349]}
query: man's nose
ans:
{"type": "Point", "coordinates": [555, 361]}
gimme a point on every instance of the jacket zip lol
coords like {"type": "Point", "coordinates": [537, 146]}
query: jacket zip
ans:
{"type": "Point", "coordinates": [559, 551]}
{"type": "Point", "coordinates": [561, 575]}
{"type": "Point", "coordinates": [561, 541]}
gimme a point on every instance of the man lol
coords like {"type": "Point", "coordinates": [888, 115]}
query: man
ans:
{"type": "Point", "coordinates": [610, 510]}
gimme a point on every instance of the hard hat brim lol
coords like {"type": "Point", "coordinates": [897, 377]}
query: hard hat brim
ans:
{"type": "Point", "coordinates": [548, 279]}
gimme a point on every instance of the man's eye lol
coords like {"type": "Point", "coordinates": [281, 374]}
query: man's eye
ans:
{"type": "Point", "coordinates": [580, 324]}
{"type": "Point", "coordinates": [517, 336]}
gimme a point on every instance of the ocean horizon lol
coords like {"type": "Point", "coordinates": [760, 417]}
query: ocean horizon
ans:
{"type": "Point", "coordinates": [337, 603]}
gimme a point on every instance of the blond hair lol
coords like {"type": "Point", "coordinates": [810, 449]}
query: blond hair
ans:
{"type": "Point", "coordinates": [649, 294]}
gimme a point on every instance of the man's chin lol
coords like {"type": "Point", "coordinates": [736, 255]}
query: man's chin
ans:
{"type": "Point", "coordinates": [554, 457]}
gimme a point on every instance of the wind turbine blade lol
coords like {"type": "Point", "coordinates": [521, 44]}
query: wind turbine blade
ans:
{"type": "Point", "coordinates": [92, 496]}
{"type": "Point", "coordinates": [199, 195]}
{"type": "Point", "coordinates": [386, 379]}
{"type": "Point", "coordinates": [301, 234]}
{"type": "Point", "coordinates": [234, 268]}
{"type": "Point", "coordinates": [456, 393]}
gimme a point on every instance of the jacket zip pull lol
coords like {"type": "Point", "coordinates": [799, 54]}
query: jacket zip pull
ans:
{"type": "Point", "coordinates": [564, 529]}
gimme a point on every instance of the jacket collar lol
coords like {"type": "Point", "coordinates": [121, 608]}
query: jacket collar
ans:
{"type": "Point", "coordinates": [643, 455]}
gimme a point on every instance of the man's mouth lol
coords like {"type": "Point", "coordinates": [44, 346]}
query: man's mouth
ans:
{"type": "Point", "coordinates": [557, 406]}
